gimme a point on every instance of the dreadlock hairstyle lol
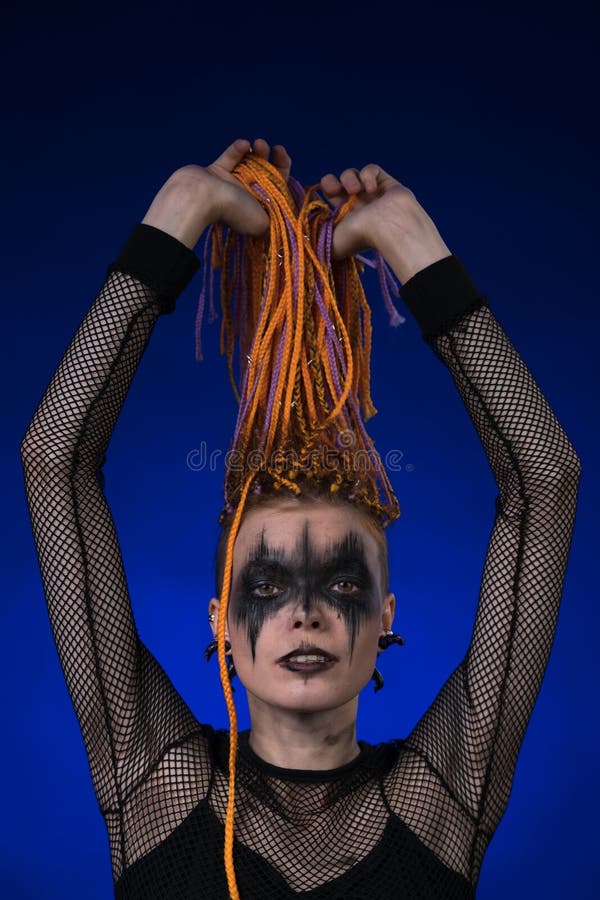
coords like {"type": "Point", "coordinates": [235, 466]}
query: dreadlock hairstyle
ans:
{"type": "Point", "coordinates": [303, 329]}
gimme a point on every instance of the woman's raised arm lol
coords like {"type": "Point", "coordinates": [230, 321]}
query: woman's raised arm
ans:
{"type": "Point", "coordinates": [128, 710]}
{"type": "Point", "coordinates": [125, 704]}
{"type": "Point", "coordinates": [471, 735]}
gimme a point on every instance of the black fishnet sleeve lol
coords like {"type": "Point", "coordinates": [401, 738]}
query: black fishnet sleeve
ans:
{"type": "Point", "coordinates": [127, 708]}
{"type": "Point", "coordinates": [471, 735]}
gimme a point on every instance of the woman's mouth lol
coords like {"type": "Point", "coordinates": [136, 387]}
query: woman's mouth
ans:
{"type": "Point", "coordinates": [312, 659]}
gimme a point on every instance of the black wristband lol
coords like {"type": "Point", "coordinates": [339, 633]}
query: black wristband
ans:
{"type": "Point", "coordinates": [440, 295]}
{"type": "Point", "coordinates": [158, 260]}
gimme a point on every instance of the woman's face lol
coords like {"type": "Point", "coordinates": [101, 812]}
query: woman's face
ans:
{"type": "Point", "coordinates": [306, 608]}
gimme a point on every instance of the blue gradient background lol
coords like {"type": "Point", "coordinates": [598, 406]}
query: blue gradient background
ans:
{"type": "Point", "coordinates": [487, 115]}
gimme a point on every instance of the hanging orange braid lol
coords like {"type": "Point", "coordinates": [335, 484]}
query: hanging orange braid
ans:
{"type": "Point", "coordinates": [304, 341]}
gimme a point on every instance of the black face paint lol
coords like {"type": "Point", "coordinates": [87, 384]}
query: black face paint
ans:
{"type": "Point", "coordinates": [307, 576]}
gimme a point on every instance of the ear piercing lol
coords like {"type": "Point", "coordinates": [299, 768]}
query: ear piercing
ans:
{"type": "Point", "coordinates": [389, 638]}
{"type": "Point", "coordinates": [386, 640]}
{"type": "Point", "coordinates": [212, 648]}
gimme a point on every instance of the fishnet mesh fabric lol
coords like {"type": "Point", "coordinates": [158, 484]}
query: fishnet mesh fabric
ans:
{"type": "Point", "coordinates": [409, 818]}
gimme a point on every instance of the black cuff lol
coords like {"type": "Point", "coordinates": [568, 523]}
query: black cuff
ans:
{"type": "Point", "coordinates": [158, 260]}
{"type": "Point", "coordinates": [440, 295]}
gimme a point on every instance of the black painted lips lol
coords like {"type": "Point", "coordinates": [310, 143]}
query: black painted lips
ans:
{"type": "Point", "coordinates": [308, 650]}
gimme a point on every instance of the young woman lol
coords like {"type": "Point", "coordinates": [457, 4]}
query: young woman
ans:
{"type": "Point", "coordinates": [317, 812]}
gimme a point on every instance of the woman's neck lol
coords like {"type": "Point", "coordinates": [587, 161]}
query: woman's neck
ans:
{"type": "Point", "coordinates": [293, 740]}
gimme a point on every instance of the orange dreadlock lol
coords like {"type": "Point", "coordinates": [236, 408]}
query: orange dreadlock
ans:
{"type": "Point", "coordinates": [304, 356]}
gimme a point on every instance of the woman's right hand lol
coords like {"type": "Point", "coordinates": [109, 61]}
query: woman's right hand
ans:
{"type": "Point", "coordinates": [197, 196]}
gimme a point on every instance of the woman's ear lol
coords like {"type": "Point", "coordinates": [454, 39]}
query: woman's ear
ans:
{"type": "Point", "coordinates": [213, 610]}
{"type": "Point", "coordinates": [387, 612]}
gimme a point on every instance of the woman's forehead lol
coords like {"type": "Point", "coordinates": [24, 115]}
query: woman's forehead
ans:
{"type": "Point", "coordinates": [285, 528]}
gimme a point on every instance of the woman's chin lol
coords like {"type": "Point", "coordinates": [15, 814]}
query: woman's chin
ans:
{"type": "Point", "coordinates": [308, 697]}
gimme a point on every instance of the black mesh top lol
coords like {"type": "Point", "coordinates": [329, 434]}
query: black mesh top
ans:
{"type": "Point", "coordinates": [409, 818]}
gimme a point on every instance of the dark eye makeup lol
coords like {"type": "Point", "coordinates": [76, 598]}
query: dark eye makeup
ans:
{"type": "Point", "coordinates": [338, 576]}
{"type": "Point", "coordinates": [256, 590]}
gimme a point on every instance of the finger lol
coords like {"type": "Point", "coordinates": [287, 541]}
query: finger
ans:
{"type": "Point", "coordinates": [261, 148]}
{"type": "Point", "coordinates": [384, 181]}
{"type": "Point", "coordinates": [350, 179]}
{"type": "Point", "coordinates": [282, 160]}
{"type": "Point", "coordinates": [233, 154]}
{"type": "Point", "coordinates": [330, 184]}
{"type": "Point", "coordinates": [370, 177]}
{"type": "Point", "coordinates": [280, 157]}
{"type": "Point", "coordinates": [333, 190]}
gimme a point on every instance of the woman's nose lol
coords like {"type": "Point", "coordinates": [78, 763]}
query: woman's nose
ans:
{"type": "Point", "coordinates": [312, 623]}
{"type": "Point", "coordinates": [309, 615]}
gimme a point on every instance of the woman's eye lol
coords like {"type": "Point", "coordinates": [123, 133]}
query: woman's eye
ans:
{"type": "Point", "coordinates": [341, 586]}
{"type": "Point", "coordinates": [348, 587]}
{"type": "Point", "coordinates": [265, 590]}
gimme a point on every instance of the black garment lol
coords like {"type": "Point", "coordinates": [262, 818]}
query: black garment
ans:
{"type": "Point", "coordinates": [407, 819]}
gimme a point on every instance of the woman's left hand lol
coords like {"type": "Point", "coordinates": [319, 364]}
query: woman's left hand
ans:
{"type": "Point", "coordinates": [386, 217]}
